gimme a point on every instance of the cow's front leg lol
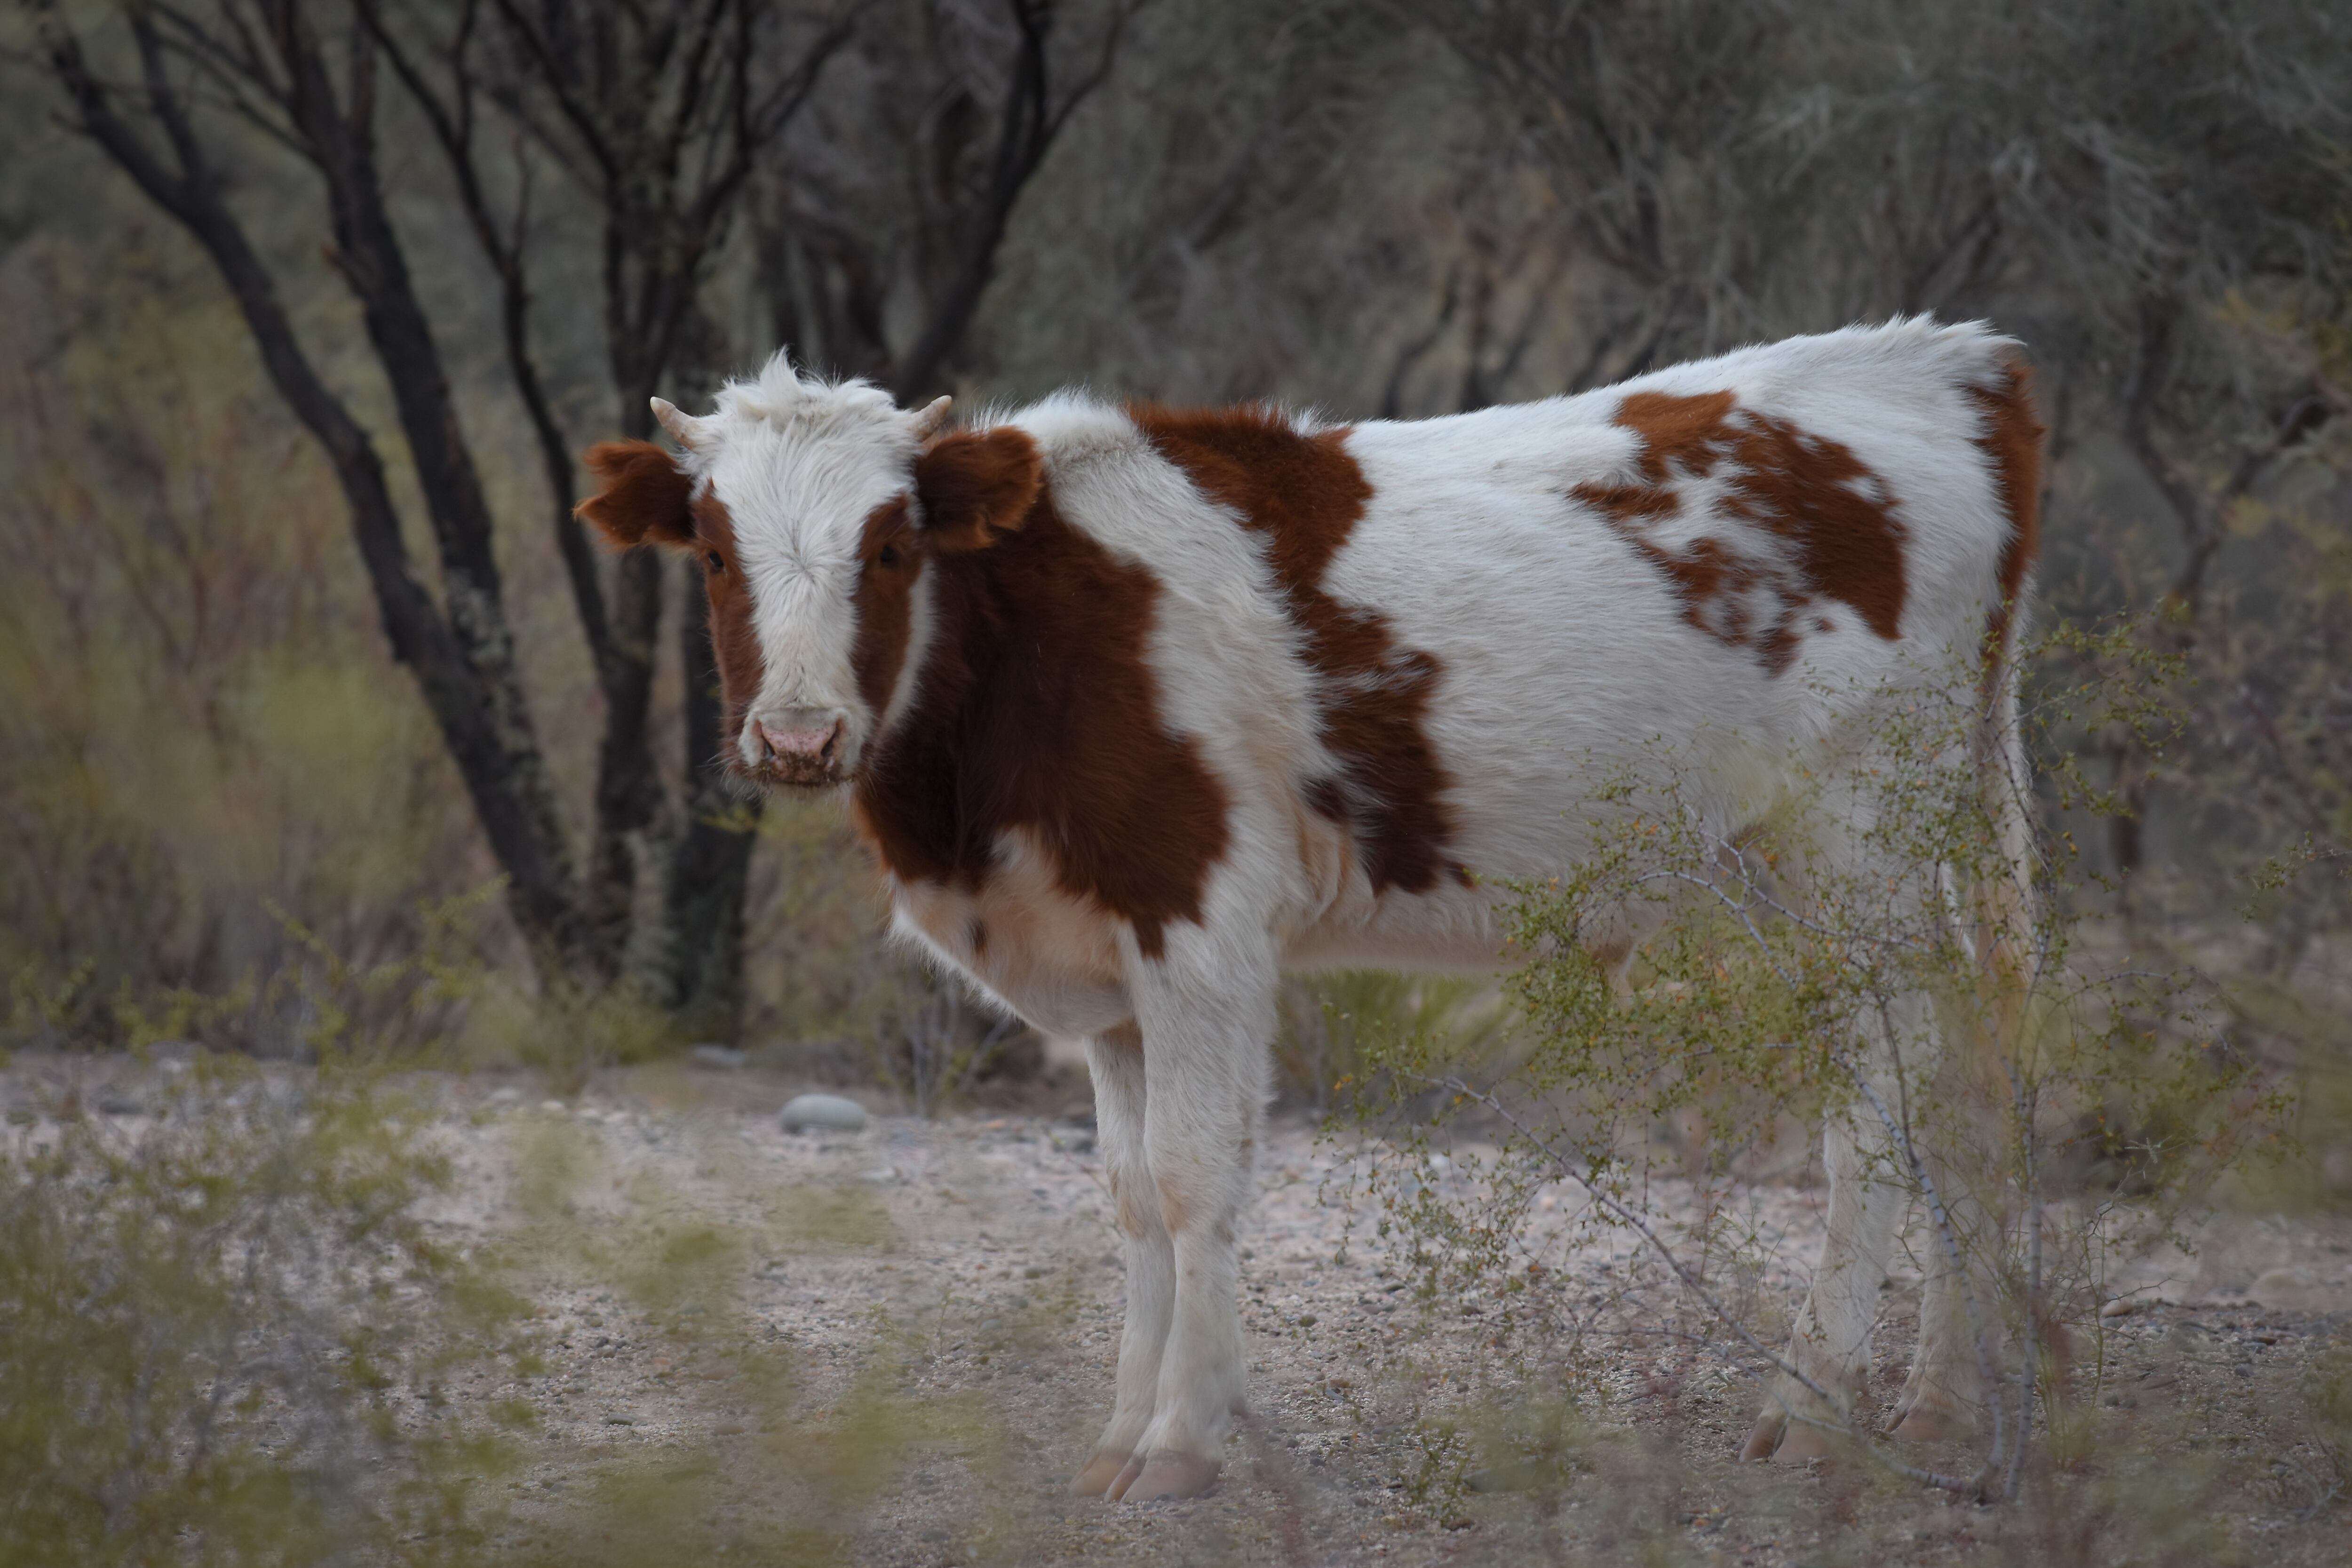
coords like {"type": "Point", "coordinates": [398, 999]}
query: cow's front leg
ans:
{"type": "Point", "coordinates": [1206, 1029]}
{"type": "Point", "coordinates": [1115, 1062]}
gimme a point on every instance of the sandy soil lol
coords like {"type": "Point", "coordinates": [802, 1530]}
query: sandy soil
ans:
{"type": "Point", "coordinates": [964, 1274]}
{"type": "Point", "coordinates": [984, 1269]}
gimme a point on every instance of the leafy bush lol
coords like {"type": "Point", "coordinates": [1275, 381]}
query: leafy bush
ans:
{"type": "Point", "coordinates": [222, 1327]}
{"type": "Point", "coordinates": [2050, 1111]}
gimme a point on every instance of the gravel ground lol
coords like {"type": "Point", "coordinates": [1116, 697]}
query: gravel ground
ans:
{"type": "Point", "coordinates": [903, 1339]}
{"type": "Point", "coordinates": [977, 1269]}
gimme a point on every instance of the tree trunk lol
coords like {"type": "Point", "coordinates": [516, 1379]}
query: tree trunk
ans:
{"type": "Point", "coordinates": [701, 973]}
{"type": "Point", "coordinates": [463, 663]}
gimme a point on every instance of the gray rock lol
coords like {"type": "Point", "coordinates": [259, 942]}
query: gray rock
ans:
{"type": "Point", "coordinates": [726, 1059]}
{"type": "Point", "coordinates": [824, 1113]}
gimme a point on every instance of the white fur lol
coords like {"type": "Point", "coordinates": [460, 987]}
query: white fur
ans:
{"type": "Point", "coordinates": [1567, 658]}
{"type": "Point", "coordinates": [799, 464]}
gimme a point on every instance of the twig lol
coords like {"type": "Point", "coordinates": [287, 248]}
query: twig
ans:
{"type": "Point", "coordinates": [1634, 1222]}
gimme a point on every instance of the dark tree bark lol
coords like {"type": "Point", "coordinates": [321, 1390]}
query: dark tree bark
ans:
{"type": "Point", "coordinates": [463, 659]}
{"type": "Point", "coordinates": [2202, 515]}
{"type": "Point", "coordinates": [701, 971]}
{"type": "Point", "coordinates": [662, 117]}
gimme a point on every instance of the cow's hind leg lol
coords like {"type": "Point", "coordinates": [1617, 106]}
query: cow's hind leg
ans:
{"type": "Point", "coordinates": [1114, 1061]}
{"type": "Point", "coordinates": [1830, 1342]}
{"type": "Point", "coordinates": [1945, 1393]}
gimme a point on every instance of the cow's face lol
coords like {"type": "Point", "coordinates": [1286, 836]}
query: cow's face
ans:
{"type": "Point", "coordinates": [815, 512]}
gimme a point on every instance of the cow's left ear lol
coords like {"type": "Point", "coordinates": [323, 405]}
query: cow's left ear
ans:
{"type": "Point", "coordinates": [977, 485]}
{"type": "Point", "coordinates": [641, 498]}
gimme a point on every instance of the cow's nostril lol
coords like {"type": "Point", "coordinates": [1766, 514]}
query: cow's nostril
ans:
{"type": "Point", "coordinates": [803, 745]}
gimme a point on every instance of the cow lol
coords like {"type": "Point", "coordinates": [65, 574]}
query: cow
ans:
{"type": "Point", "coordinates": [1138, 708]}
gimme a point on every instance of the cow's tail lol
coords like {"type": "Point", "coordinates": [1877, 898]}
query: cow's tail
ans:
{"type": "Point", "coordinates": [2004, 900]}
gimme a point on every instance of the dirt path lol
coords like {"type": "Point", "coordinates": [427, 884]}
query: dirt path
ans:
{"type": "Point", "coordinates": [895, 1347]}
{"type": "Point", "coordinates": [970, 1266]}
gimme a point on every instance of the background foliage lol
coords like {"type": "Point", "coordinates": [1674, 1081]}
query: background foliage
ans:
{"type": "Point", "coordinates": [229, 814]}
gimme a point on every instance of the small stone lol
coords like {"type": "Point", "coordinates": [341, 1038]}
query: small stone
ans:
{"type": "Point", "coordinates": [620, 1420]}
{"type": "Point", "coordinates": [823, 1113]}
{"type": "Point", "coordinates": [1306, 1320]}
{"type": "Point", "coordinates": [2120, 1308]}
{"type": "Point", "coordinates": [881, 1175]}
{"type": "Point", "coordinates": [2292, 1288]}
{"type": "Point", "coordinates": [723, 1058]}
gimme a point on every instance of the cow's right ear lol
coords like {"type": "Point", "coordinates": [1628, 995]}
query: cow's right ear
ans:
{"type": "Point", "coordinates": [641, 498]}
{"type": "Point", "coordinates": [976, 486]}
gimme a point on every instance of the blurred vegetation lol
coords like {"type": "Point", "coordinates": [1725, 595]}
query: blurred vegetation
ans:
{"type": "Point", "coordinates": [210, 1317]}
{"type": "Point", "coordinates": [2053, 1110]}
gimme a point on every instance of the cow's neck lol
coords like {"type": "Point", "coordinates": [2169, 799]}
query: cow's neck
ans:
{"type": "Point", "coordinates": [1036, 708]}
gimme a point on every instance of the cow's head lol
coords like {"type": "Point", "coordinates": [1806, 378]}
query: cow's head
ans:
{"type": "Point", "coordinates": [814, 511]}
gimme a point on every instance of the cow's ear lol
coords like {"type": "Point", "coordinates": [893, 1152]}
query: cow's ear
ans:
{"type": "Point", "coordinates": [977, 485]}
{"type": "Point", "coordinates": [641, 498]}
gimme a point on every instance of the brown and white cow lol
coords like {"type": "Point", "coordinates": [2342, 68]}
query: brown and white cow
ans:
{"type": "Point", "coordinates": [1138, 708]}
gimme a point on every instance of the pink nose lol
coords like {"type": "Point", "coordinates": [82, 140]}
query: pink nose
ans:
{"type": "Point", "coordinates": [801, 745]}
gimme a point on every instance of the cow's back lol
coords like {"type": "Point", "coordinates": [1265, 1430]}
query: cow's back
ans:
{"type": "Point", "coordinates": [1716, 567]}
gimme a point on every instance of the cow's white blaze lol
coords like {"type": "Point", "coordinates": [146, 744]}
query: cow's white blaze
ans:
{"type": "Point", "coordinates": [799, 464]}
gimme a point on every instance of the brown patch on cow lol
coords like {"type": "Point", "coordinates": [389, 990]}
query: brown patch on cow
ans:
{"type": "Point", "coordinates": [1038, 713]}
{"type": "Point", "coordinates": [2011, 439]}
{"type": "Point", "coordinates": [1819, 522]}
{"type": "Point", "coordinates": [1305, 494]}
{"type": "Point", "coordinates": [734, 642]}
{"type": "Point", "coordinates": [890, 559]}
{"type": "Point", "coordinates": [641, 498]}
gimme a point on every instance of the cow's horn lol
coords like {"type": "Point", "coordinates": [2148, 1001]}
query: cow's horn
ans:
{"type": "Point", "coordinates": [933, 416]}
{"type": "Point", "coordinates": [684, 429]}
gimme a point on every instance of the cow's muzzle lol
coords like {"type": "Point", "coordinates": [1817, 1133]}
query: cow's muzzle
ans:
{"type": "Point", "coordinates": [799, 747]}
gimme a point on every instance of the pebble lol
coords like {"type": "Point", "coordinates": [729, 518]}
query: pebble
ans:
{"type": "Point", "coordinates": [825, 1113]}
{"type": "Point", "coordinates": [2121, 1308]}
{"type": "Point", "coordinates": [726, 1059]}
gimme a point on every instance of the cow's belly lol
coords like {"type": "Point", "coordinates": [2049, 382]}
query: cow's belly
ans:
{"type": "Point", "coordinates": [1453, 930]}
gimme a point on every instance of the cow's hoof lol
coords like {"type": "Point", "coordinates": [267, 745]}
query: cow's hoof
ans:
{"type": "Point", "coordinates": [1125, 1479]}
{"type": "Point", "coordinates": [1173, 1476]}
{"type": "Point", "coordinates": [1805, 1441]}
{"type": "Point", "coordinates": [1099, 1474]}
{"type": "Point", "coordinates": [1764, 1437]}
{"type": "Point", "coordinates": [1926, 1424]}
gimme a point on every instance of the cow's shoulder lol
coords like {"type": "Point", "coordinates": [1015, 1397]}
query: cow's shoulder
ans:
{"type": "Point", "coordinates": [1038, 713]}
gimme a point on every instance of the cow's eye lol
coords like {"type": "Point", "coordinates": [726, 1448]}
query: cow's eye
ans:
{"type": "Point", "coordinates": [715, 561]}
{"type": "Point", "coordinates": [889, 555]}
